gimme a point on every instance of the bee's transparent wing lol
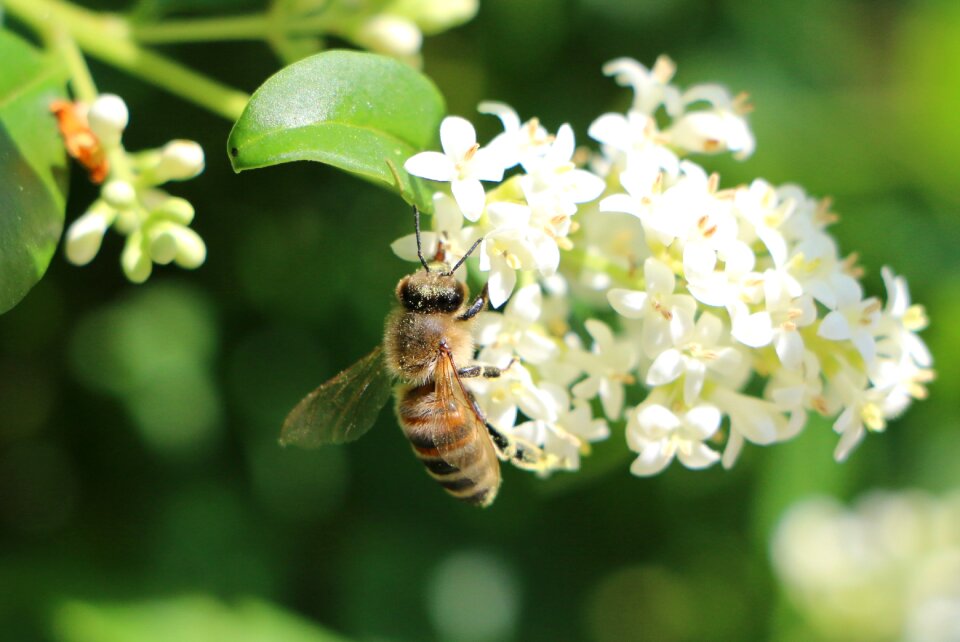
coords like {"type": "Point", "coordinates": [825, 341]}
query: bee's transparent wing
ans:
{"type": "Point", "coordinates": [468, 447]}
{"type": "Point", "coordinates": [342, 409]}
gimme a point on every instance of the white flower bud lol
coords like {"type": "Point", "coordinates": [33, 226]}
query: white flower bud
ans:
{"type": "Point", "coordinates": [163, 243]}
{"type": "Point", "coordinates": [119, 194]}
{"type": "Point", "coordinates": [436, 15]}
{"type": "Point", "coordinates": [85, 234]}
{"type": "Point", "coordinates": [180, 160]}
{"type": "Point", "coordinates": [391, 35]}
{"type": "Point", "coordinates": [176, 209]}
{"type": "Point", "coordinates": [108, 118]}
{"type": "Point", "coordinates": [127, 221]}
{"type": "Point", "coordinates": [135, 262]}
{"type": "Point", "coordinates": [191, 250]}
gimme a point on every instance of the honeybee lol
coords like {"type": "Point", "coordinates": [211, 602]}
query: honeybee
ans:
{"type": "Point", "coordinates": [426, 349]}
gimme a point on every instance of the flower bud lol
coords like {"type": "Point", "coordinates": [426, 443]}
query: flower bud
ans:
{"type": "Point", "coordinates": [119, 194]}
{"type": "Point", "coordinates": [391, 35]}
{"type": "Point", "coordinates": [433, 16]}
{"type": "Point", "coordinates": [135, 262]}
{"type": "Point", "coordinates": [179, 160]}
{"type": "Point", "coordinates": [191, 250]}
{"type": "Point", "coordinates": [108, 118]}
{"type": "Point", "coordinates": [163, 243]}
{"type": "Point", "coordinates": [85, 234]}
{"type": "Point", "coordinates": [176, 209]}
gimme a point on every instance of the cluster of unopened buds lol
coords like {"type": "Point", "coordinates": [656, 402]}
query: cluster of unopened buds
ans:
{"type": "Point", "coordinates": [156, 224]}
{"type": "Point", "coordinates": [729, 312]}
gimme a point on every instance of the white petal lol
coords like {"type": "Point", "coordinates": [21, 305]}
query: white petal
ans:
{"type": "Point", "coordinates": [789, 348]}
{"type": "Point", "coordinates": [431, 165]}
{"type": "Point", "coordinates": [851, 437]}
{"type": "Point", "coordinates": [732, 450]}
{"type": "Point", "coordinates": [470, 197]}
{"type": "Point", "coordinates": [611, 398]}
{"type": "Point", "coordinates": [457, 136]}
{"type": "Point", "coordinates": [487, 165]}
{"type": "Point", "coordinates": [654, 457]}
{"type": "Point", "coordinates": [601, 334]}
{"type": "Point", "coordinates": [702, 421]}
{"type": "Point", "coordinates": [582, 186]}
{"type": "Point", "coordinates": [667, 367]}
{"type": "Point", "coordinates": [834, 327]}
{"type": "Point", "coordinates": [447, 216]}
{"type": "Point", "coordinates": [620, 203]}
{"type": "Point", "coordinates": [659, 277]}
{"type": "Point", "coordinates": [526, 304]}
{"type": "Point", "coordinates": [610, 129]}
{"type": "Point", "coordinates": [501, 283]}
{"type": "Point", "coordinates": [754, 330]}
{"type": "Point", "coordinates": [506, 114]}
{"type": "Point", "coordinates": [629, 303]}
{"type": "Point", "coordinates": [406, 247]}
{"type": "Point", "coordinates": [697, 456]}
{"type": "Point", "coordinates": [693, 381]}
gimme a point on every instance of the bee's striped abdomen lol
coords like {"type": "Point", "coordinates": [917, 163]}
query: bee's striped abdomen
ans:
{"type": "Point", "coordinates": [461, 464]}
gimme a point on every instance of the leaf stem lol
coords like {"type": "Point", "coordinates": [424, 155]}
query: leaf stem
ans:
{"type": "Point", "coordinates": [109, 38]}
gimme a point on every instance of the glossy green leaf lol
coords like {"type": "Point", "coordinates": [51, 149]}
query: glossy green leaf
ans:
{"type": "Point", "coordinates": [360, 112]}
{"type": "Point", "coordinates": [32, 167]}
{"type": "Point", "coordinates": [190, 618]}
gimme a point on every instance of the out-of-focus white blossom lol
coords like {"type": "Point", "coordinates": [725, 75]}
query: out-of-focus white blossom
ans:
{"type": "Point", "coordinates": [711, 287]}
{"type": "Point", "coordinates": [886, 569]}
{"type": "Point", "coordinates": [155, 223]}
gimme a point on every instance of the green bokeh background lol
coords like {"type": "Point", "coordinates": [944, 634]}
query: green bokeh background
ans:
{"type": "Point", "coordinates": [143, 495]}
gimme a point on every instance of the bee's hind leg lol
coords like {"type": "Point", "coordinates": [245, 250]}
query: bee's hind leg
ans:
{"type": "Point", "coordinates": [523, 454]}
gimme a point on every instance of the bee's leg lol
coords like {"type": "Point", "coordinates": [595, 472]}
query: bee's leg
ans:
{"type": "Point", "coordinates": [523, 454]}
{"type": "Point", "coordinates": [489, 372]}
{"type": "Point", "coordinates": [477, 305]}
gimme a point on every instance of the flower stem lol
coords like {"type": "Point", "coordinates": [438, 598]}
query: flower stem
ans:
{"type": "Point", "coordinates": [250, 27]}
{"type": "Point", "coordinates": [109, 39]}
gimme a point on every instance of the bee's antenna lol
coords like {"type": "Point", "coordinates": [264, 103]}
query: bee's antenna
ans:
{"type": "Point", "coordinates": [416, 225]}
{"type": "Point", "coordinates": [464, 257]}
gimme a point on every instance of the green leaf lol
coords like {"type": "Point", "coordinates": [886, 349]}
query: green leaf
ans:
{"type": "Point", "coordinates": [32, 167]}
{"type": "Point", "coordinates": [361, 112]}
{"type": "Point", "coordinates": [190, 618]}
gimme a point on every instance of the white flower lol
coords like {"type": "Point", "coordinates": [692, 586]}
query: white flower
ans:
{"type": "Point", "coordinates": [514, 390]}
{"type": "Point", "coordinates": [608, 367]}
{"type": "Point", "coordinates": [853, 319]}
{"type": "Point", "coordinates": [517, 329]}
{"type": "Point", "coordinates": [516, 242]}
{"type": "Point", "coordinates": [569, 435]}
{"type": "Point", "coordinates": [759, 421]}
{"type": "Point", "coordinates": [518, 143]}
{"type": "Point", "coordinates": [862, 411]}
{"type": "Point", "coordinates": [719, 129]}
{"type": "Point", "coordinates": [690, 350]}
{"type": "Point", "coordinates": [651, 87]}
{"type": "Point", "coordinates": [448, 240]}
{"type": "Point", "coordinates": [463, 164]}
{"type": "Point", "coordinates": [659, 435]}
{"type": "Point", "coordinates": [554, 183]}
{"type": "Point", "coordinates": [786, 310]}
{"type": "Point", "coordinates": [653, 306]}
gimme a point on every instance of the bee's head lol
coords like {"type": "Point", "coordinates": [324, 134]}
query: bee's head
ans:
{"type": "Point", "coordinates": [431, 292]}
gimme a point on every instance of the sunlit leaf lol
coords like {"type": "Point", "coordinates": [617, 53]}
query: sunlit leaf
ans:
{"type": "Point", "coordinates": [360, 112]}
{"type": "Point", "coordinates": [32, 167]}
{"type": "Point", "coordinates": [185, 619]}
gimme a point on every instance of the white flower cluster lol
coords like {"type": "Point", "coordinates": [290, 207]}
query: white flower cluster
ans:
{"type": "Point", "coordinates": [888, 569]}
{"type": "Point", "coordinates": [154, 222]}
{"type": "Point", "coordinates": [736, 312]}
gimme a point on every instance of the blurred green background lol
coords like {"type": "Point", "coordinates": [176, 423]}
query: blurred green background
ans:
{"type": "Point", "coordinates": [143, 495]}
